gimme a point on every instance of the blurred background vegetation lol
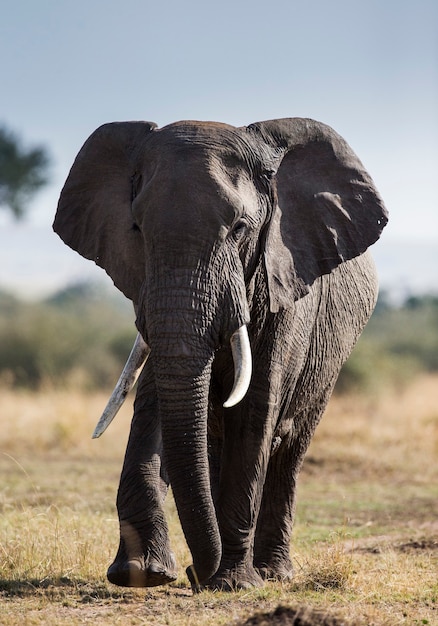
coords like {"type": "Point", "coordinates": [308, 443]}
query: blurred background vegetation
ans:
{"type": "Point", "coordinates": [82, 335]}
{"type": "Point", "coordinates": [23, 171]}
{"type": "Point", "coordinates": [399, 343]}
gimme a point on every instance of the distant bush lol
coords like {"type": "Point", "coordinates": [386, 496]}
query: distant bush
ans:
{"type": "Point", "coordinates": [371, 368]}
{"type": "Point", "coordinates": [67, 339]}
{"type": "Point", "coordinates": [397, 344]}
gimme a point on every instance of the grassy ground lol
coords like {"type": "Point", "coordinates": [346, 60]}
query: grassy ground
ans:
{"type": "Point", "coordinates": [365, 543]}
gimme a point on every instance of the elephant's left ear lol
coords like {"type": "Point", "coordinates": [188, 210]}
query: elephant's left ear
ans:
{"type": "Point", "coordinates": [328, 212]}
{"type": "Point", "coordinates": [94, 214]}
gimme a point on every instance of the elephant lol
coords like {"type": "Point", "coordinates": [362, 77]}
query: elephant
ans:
{"type": "Point", "coordinates": [244, 251]}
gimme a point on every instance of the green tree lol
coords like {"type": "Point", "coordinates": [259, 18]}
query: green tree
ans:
{"type": "Point", "coordinates": [22, 172]}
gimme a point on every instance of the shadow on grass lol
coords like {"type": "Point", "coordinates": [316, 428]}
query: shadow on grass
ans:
{"type": "Point", "coordinates": [57, 588]}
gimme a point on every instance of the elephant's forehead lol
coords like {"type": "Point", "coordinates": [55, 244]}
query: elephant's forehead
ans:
{"type": "Point", "coordinates": [209, 136]}
{"type": "Point", "coordinates": [204, 141]}
{"type": "Point", "coordinates": [193, 128]}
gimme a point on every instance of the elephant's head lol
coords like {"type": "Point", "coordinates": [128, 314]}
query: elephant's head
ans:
{"type": "Point", "coordinates": [182, 218]}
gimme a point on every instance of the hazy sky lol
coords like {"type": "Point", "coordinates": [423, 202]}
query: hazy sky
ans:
{"type": "Point", "coordinates": [368, 68]}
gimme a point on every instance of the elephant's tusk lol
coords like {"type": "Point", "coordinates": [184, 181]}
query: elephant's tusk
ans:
{"type": "Point", "coordinates": [135, 363]}
{"type": "Point", "coordinates": [241, 351]}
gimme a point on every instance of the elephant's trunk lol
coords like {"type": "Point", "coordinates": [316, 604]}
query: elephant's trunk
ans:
{"type": "Point", "coordinates": [183, 387]}
{"type": "Point", "coordinates": [186, 316]}
{"type": "Point", "coordinates": [183, 401]}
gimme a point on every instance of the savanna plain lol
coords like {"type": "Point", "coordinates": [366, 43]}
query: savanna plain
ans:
{"type": "Point", "coordinates": [365, 543]}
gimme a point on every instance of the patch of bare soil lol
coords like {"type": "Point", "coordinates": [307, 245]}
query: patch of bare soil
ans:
{"type": "Point", "coordinates": [301, 616]}
{"type": "Point", "coordinates": [384, 543]}
{"type": "Point", "coordinates": [421, 544]}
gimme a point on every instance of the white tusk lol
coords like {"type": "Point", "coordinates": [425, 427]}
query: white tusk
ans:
{"type": "Point", "coordinates": [135, 363]}
{"type": "Point", "coordinates": [241, 351]}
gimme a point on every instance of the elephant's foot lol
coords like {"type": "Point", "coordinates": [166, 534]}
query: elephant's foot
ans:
{"type": "Point", "coordinates": [275, 568]}
{"type": "Point", "coordinates": [136, 572]}
{"type": "Point", "coordinates": [232, 579]}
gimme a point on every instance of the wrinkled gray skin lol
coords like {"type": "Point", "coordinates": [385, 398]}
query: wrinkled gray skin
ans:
{"type": "Point", "coordinates": [206, 227]}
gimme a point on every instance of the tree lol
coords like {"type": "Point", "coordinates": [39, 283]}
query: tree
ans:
{"type": "Point", "coordinates": [22, 172]}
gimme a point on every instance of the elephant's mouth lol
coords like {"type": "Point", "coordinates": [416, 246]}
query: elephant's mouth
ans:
{"type": "Point", "coordinates": [241, 351]}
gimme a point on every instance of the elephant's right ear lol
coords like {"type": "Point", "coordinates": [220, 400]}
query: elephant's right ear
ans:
{"type": "Point", "coordinates": [94, 210]}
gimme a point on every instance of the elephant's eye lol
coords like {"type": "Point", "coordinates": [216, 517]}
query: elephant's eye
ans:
{"type": "Point", "coordinates": [239, 230]}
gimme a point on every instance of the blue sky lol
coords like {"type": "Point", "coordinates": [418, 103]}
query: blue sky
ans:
{"type": "Point", "coordinates": [369, 69]}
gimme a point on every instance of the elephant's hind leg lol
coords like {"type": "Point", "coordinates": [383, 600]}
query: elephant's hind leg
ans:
{"type": "Point", "coordinates": [277, 511]}
{"type": "Point", "coordinates": [272, 539]}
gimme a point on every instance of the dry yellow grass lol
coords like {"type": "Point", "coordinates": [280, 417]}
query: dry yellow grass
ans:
{"type": "Point", "coordinates": [60, 421]}
{"type": "Point", "coordinates": [398, 430]}
{"type": "Point", "coordinates": [365, 544]}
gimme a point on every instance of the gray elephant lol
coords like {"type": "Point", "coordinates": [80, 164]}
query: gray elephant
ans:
{"type": "Point", "coordinates": [239, 247]}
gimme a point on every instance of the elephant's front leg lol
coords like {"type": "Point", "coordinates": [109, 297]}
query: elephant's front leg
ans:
{"type": "Point", "coordinates": [243, 468]}
{"type": "Point", "coordinates": [144, 558]}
